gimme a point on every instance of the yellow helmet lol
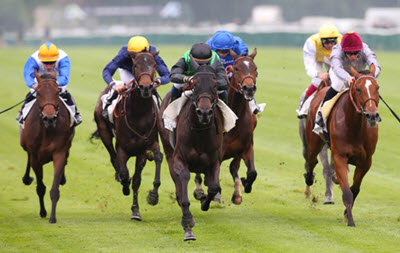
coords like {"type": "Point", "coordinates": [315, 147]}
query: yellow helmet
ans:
{"type": "Point", "coordinates": [138, 44]}
{"type": "Point", "coordinates": [48, 52]}
{"type": "Point", "coordinates": [328, 31]}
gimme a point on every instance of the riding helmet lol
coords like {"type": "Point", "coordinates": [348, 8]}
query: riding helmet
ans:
{"type": "Point", "coordinates": [48, 52]}
{"type": "Point", "coordinates": [222, 40]}
{"type": "Point", "coordinates": [201, 53]}
{"type": "Point", "coordinates": [138, 44]}
{"type": "Point", "coordinates": [351, 42]}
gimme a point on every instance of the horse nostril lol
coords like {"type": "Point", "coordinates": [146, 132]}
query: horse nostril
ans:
{"type": "Point", "coordinates": [245, 88]}
{"type": "Point", "coordinates": [210, 112]}
{"type": "Point", "coordinates": [198, 112]}
{"type": "Point", "coordinates": [367, 116]}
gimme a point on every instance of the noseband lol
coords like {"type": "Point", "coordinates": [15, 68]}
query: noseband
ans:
{"type": "Point", "coordinates": [229, 69]}
{"type": "Point", "coordinates": [362, 111]}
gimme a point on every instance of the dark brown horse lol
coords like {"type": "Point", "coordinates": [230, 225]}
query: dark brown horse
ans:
{"type": "Point", "coordinates": [353, 132]}
{"type": "Point", "coordinates": [135, 130]}
{"type": "Point", "coordinates": [47, 137]}
{"type": "Point", "coordinates": [238, 142]}
{"type": "Point", "coordinates": [198, 146]}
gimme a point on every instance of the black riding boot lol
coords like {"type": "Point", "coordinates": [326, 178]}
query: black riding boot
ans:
{"type": "Point", "coordinates": [28, 98]}
{"type": "Point", "coordinates": [110, 98]}
{"type": "Point", "coordinates": [328, 96]}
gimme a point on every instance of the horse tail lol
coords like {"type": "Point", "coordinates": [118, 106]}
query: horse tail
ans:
{"type": "Point", "coordinates": [94, 135]}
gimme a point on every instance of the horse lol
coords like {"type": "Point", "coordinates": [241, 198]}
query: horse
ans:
{"type": "Point", "coordinates": [353, 133]}
{"type": "Point", "coordinates": [198, 147]}
{"type": "Point", "coordinates": [135, 125]}
{"type": "Point", "coordinates": [47, 136]}
{"type": "Point", "coordinates": [328, 168]}
{"type": "Point", "coordinates": [238, 142]}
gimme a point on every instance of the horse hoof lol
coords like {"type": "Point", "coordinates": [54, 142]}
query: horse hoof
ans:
{"type": "Point", "coordinates": [126, 191]}
{"type": "Point", "coordinates": [43, 214]}
{"type": "Point", "coordinates": [198, 194]}
{"type": "Point", "coordinates": [136, 216]}
{"type": "Point", "coordinates": [52, 220]}
{"type": "Point", "coordinates": [63, 180]}
{"type": "Point", "coordinates": [27, 180]}
{"type": "Point", "coordinates": [334, 179]}
{"type": "Point", "coordinates": [329, 201]}
{"type": "Point", "coordinates": [117, 177]}
{"type": "Point", "coordinates": [189, 235]}
{"type": "Point", "coordinates": [309, 178]}
{"type": "Point", "coordinates": [237, 200]}
{"type": "Point", "coordinates": [246, 185]}
{"type": "Point", "coordinates": [217, 198]}
{"type": "Point", "coordinates": [152, 198]}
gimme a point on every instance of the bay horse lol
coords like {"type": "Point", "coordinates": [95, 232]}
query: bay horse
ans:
{"type": "Point", "coordinates": [135, 125]}
{"type": "Point", "coordinates": [328, 167]}
{"type": "Point", "coordinates": [238, 142]}
{"type": "Point", "coordinates": [198, 146]}
{"type": "Point", "coordinates": [47, 136]}
{"type": "Point", "coordinates": [353, 132]}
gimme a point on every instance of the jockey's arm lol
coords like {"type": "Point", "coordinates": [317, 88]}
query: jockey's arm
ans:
{"type": "Point", "coordinates": [178, 72]}
{"type": "Point", "coordinates": [29, 71]}
{"type": "Point", "coordinates": [309, 58]}
{"type": "Point", "coordinates": [64, 71]}
{"type": "Point", "coordinates": [222, 81]}
{"type": "Point", "coordinates": [162, 70]}
{"type": "Point", "coordinates": [370, 58]}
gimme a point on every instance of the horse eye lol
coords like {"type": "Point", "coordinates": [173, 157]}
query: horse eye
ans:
{"type": "Point", "coordinates": [358, 90]}
{"type": "Point", "coordinates": [236, 69]}
{"type": "Point", "coordinates": [378, 88]}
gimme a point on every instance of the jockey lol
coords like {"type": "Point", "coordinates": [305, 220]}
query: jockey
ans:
{"type": "Point", "coordinates": [221, 42]}
{"type": "Point", "coordinates": [351, 52]}
{"type": "Point", "coordinates": [182, 72]}
{"type": "Point", "coordinates": [123, 62]}
{"type": "Point", "coordinates": [47, 59]}
{"type": "Point", "coordinates": [316, 52]}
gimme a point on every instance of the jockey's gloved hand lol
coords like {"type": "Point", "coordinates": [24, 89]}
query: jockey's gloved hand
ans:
{"type": "Point", "coordinates": [187, 79]}
{"type": "Point", "coordinates": [118, 86]}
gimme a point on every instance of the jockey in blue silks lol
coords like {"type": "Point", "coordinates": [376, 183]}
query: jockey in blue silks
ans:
{"type": "Point", "coordinates": [221, 42]}
{"type": "Point", "coordinates": [45, 60]}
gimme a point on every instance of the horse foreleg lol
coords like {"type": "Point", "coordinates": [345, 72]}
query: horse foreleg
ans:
{"type": "Point", "coordinates": [183, 176]}
{"type": "Point", "coordinates": [248, 158]}
{"type": "Point", "coordinates": [328, 172]}
{"type": "Point", "coordinates": [347, 196]}
{"type": "Point", "coordinates": [152, 197]}
{"type": "Point", "coordinates": [27, 179]}
{"type": "Point", "coordinates": [198, 192]}
{"type": "Point", "coordinates": [106, 137]}
{"type": "Point", "coordinates": [237, 193]}
{"type": "Point", "coordinates": [59, 161]}
{"type": "Point", "coordinates": [136, 181]}
{"type": "Point", "coordinates": [123, 174]}
{"type": "Point", "coordinates": [211, 180]}
{"type": "Point", "coordinates": [40, 188]}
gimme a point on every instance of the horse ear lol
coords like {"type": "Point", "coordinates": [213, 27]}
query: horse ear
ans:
{"type": "Point", "coordinates": [132, 54]}
{"type": "Point", "coordinates": [194, 63]}
{"type": "Point", "coordinates": [354, 72]}
{"type": "Point", "coordinates": [234, 55]}
{"type": "Point", "coordinates": [37, 75]}
{"type": "Point", "coordinates": [155, 53]}
{"type": "Point", "coordinates": [253, 54]}
{"type": "Point", "coordinates": [372, 69]}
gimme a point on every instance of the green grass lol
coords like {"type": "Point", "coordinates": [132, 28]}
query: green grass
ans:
{"type": "Point", "coordinates": [94, 216]}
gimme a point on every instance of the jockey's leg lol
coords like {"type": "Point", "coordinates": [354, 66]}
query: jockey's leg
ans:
{"type": "Point", "coordinates": [176, 91]}
{"type": "Point", "coordinates": [111, 95]}
{"type": "Point", "coordinates": [256, 108]}
{"type": "Point", "coordinates": [310, 90]}
{"type": "Point", "coordinates": [319, 119]}
{"type": "Point", "coordinates": [70, 101]}
{"type": "Point", "coordinates": [223, 95]}
{"type": "Point", "coordinates": [28, 98]}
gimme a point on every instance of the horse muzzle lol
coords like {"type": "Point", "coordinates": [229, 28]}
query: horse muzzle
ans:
{"type": "Point", "coordinates": [373, 118]}
{"type": "Point", "coordinates": [146, 90]}
{"type": "Point", "coordinates": [249, 91]}
{"type": "Point", "coordinates": [204, 115]}
{"type": "Point", "coordinates": [49, 121]}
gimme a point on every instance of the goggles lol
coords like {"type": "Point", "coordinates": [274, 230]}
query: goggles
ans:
{"type": "Point", "coordinates": [329, 40]}
{"type": "Point", "coordinates": [352, 53]}
{"type": "Point", "coordinates": [49, 63]}
{"type": "Point", "coordinates": [222, 51]}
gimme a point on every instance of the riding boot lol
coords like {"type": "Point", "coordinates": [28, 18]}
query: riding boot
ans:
{"type": "Point", "coordinates": [175, 94]}
{"type": "Point", "coordinates": [256, 108]}
{"type": "Point", "coordinates": [28, 98]}
{"type": "Point", "coordinates": [223, 95]}
{"type": "Point", "coordinates": [113, 94]}
{"type": "Point", "coordinates": [67, 97]}
{"type": "Point", "coordinates": [319, 119]}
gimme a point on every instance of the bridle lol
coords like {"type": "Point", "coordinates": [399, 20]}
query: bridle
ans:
{"type": "Point", "coordinates": [361, 110]}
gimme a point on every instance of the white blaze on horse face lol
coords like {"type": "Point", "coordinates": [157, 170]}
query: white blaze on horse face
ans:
{"type": "Point", "coordinates": [367, 84]}
{"type": "Point", "coordinates": [247, 63]}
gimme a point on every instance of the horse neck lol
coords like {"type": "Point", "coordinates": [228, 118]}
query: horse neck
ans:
{"type": "Point", "coordinates": [236, 100]}
{"type": "Point", "coordinates": [137, 103]}
{"type": "Point", "coordinates": [353, 119]}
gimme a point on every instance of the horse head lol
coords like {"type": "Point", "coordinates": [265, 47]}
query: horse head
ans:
{"type": "Point", "coordinates": [204, 91]}
{"type": "Point", "coordinates": [144, 71]}
{"type": "Point", "coordinates": [47, 92]}
{"type": "Point", "coordinates": [364, 93]}
{"type": "Point", "coordinates": [245, 74]}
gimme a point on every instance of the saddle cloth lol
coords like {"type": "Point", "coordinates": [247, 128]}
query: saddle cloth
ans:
{"type": "Point", "coordinates": [327, 107]}
{"type": "Point", "coordinates": [28, 107]}
{"type": "Point", "coordinates": [172, 111]}
{"type": "Point", "coordinates": [303, 111]}
{"type": "Point", "coordinates": [114, 103]}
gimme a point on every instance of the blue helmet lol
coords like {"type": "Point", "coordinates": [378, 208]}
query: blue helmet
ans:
{"type": "Point", "coordinates": [223, 40]}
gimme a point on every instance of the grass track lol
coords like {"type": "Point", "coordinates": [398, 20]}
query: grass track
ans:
{"type": "Point", "coordinates": [93, 215]}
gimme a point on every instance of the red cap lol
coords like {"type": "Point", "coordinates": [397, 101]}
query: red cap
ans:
{"type": "Point", "coordinates": [351, 41]}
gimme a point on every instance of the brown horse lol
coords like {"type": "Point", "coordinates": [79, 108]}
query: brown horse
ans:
{"type": "Point", "coordinates": [135, 130]}
{"type": "Point", "coordinates": [198, 146]}
{"type": "Point", "coordinates": [47, 136]}
{"type": "Point", "coordinates": [238, 142]}
{"type": "Point", "coordinates": [353, 131]}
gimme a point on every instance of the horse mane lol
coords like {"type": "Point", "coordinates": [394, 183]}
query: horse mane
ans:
{"type": "Point", "coordinates": [48, 76]}
{"type": "Point", "coordinates": [364, 72]}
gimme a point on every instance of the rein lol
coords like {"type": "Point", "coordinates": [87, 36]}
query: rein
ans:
{"type": "Point", "coordinates": [9, 108]}
{"type": "Point", "coordinates": [229, 69]}
{"type": "Point", "coordinates": [361, 111]}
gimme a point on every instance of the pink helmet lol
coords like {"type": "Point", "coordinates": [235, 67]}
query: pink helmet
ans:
{"type": "Point", "coordinates": [351, 41]}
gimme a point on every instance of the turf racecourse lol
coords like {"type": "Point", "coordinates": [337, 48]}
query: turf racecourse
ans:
{"type": "Point", "coordinates": [94, 216]}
